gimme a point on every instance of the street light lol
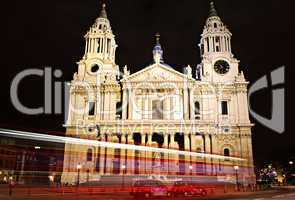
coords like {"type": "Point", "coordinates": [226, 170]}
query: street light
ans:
{"type": "Point", "coordinates": [191, 172]}
{"type": "Point", "coordinates": [237, 177]}
{"type": "Point", "coordinates": [78, 179]}
{"type": "Point", "coordinates": [123, 180]}
{"type": "Point", "coordinates": [291, 163]}
{"type": "Point", "coordinates": [10, 185]}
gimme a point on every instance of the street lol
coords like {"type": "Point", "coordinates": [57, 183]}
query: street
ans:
{"type": "Point", "coordinates": [277, 194]}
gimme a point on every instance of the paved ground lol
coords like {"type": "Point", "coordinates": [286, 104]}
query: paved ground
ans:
{"type": "Point", "coordinates": [276, 194]}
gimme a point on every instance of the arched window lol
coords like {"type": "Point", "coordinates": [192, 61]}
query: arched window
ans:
{"type": "Point", "coordinates": [89, 155]}
{"type": "Point", "coordinates": [226, 152]}
{"type": "Point", "coordinates": [119, 110]}
{"type": "Point", "coordinates": [197, 110]}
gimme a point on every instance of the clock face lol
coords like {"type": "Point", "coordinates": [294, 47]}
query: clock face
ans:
{"type": "Point", "coordinates": [94, 68]}
{"type": "Point", "coordinates": [221, 67]}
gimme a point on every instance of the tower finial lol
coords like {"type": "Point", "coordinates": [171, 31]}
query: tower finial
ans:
{"type": "Point", "coordinates": [158, 51]}
{"type": "Point", "coordinates": [158, 37]}
{"type": "Point", "coordinates": [103, 13]}
{"type": "Point", "coordinates": [213, 11]}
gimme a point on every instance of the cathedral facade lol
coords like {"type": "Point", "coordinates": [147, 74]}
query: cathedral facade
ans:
{"type": "Point", "coordinates": [203, 111]}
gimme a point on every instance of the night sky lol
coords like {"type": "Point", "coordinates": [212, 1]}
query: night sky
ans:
{"type": "Point", "coordinates": [44, 33]}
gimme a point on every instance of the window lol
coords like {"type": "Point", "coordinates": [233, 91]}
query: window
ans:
{"type": "Point", "coordinates": [202, 49]}
{"type": "Point", "coordinates": [91, 108]}
{"type": "Point", "coordinates": [119, 110]}
{"type": "Point", "coordinates": [89, 155]}
{"type": "Point", "coordinates": [157, 109]}
{"type": "Point", "coordinates": [208, 44]}
{"type": "Point", "coordinates": [99, 45]}
{"type": "Point", "coordinates": [226, 152]}
{"type": "Point", "coordinates": [217, 43]}
{"type": "Point", "coordinates": [224, 108]}
{"type": "Point", "coordinates": [197, 110]}
{"type": "Point", "coordinates": [108, 46]}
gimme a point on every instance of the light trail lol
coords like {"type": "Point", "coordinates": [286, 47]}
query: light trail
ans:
{"type": "Point", "coordinates": [69, 140]}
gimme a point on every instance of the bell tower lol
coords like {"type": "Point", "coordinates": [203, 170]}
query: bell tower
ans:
{"type": "Point", "coordinates": [95, 90]}
{"type": "Point", "coordinates": [98, 62]}
{"type": "Point", "coordinates": [100, 40]}
{"type": "Point", "coordinates": [218, 62]}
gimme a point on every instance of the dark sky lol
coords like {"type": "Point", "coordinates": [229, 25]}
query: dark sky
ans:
{"type": "Point", "coordinates": [44, 33]}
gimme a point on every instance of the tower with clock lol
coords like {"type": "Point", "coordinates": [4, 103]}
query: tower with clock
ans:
{"type": "Point", "coordinates": [218, 62]}
{"type": "Point", "coordinates": [95, 85]}
{"type": "Point", "coordinates": [158, 107]}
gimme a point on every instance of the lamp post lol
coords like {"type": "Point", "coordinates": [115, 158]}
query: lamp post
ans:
{"type": "Point", "coordinates": [123, 180]}
{"type": "Point", "coordinates": [78, 178]}
{"type": "Point", "coordinates": [237, 177]}
{"type": "Point", "coordinates": [191, 173]}
{"type": "Point", "coordinates": [10, 185]}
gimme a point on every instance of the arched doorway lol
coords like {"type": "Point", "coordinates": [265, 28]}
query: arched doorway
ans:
{"type": "Point", "coordinates": [179, 138]}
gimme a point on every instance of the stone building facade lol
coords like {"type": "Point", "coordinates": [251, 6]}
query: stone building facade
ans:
{"type": "Point", "coordinates": [203, 110]}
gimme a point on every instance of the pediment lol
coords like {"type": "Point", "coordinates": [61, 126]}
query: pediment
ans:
{"type": "Point", "coordinates": [157, 73]}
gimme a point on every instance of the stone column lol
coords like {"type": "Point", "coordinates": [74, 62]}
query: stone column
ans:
{"type": "Point", "coordinates": [86, 47]}
{"type": "Point", "coordinates": [130, 103]}
{"type": "Point", "coordinates": [173, 158]}
{"type": "Point", "coordinates": [166, 155]}
{"type": "Point", "coordinates": [172, 107]}
{"type": "Point", "coordinates": [143, 154]}
{"type": "Point", "coordinates": [194, 149]}
{"type": "Point", "coordinates": [207, 151]}
{"type": "Point", "coordinates": [165, 144]}
{"type": "Point", "coordinates": [214, 151]}
{"type": "Point", "coordinates": [149, 156]}
{"type": "Point", "coordinates": [229, 44]}
{"type": "Point", "coordinates": [106, 105]}
{"type": "Point", "coordinates": [192, 104]}
{"type": "Point", "coordinates": [211, 44]}
{"type": "Point", "coordinates": [187, 148]}
{"type": "Point", "coordinates": [205, 45]}
{"type": "Point", "coordinates": [125, 104]}
{"type": "Point", "coordinates": [186, 142]}
{"type": "Point", "coordinates": [102, 156]}
{"type": "Point", "coordinates": [123, 155]}
{"type": "Point", "coordinates": [167, 106]}
{"type": "Point", "coordinates": [130, 155]}
{"type": "Point", "coordinates": [105, 48]}
{"type": "Point", "coordinates": [185, 104]}
{"type": "Point", "coordinates": [146, 107]}
{"type": "Point", "coordinates": [113, 107]}
{"type": "Point", "coordinates": [172, 141]}
{"type": "Point", "coordinates": [97, 105]}
{"type": "Point", "coordinates": [110, 156]}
